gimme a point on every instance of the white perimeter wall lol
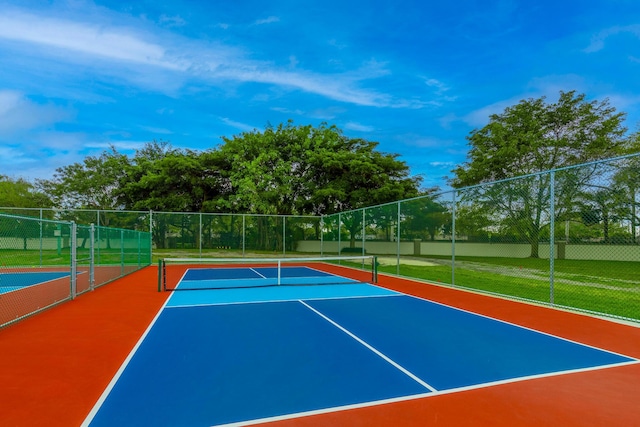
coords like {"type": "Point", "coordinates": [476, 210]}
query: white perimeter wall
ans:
{"type": "Point", "coordinates": [584, 252]}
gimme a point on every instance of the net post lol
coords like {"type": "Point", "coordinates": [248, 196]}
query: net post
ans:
{"type": "Point", "coordinates": [160, 274]}
{"type": "Point", "coordinates": [375, 269]}
{"type": "Point", "coordinates": [279, 271]}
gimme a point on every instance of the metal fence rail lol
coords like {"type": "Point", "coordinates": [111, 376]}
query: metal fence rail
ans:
{"type": "Point", "coordinates": [45, 262]}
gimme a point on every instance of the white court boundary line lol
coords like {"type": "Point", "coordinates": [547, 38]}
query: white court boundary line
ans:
{"type": "Point", "coordinates": [522, 327]}
{"type": "Point", "coordinates": [418, 396]}
{"type": "Point", "coordinates": [87, 421]}
{"type": "Point", "coordinates": [275, 301]}
{"type": "Point", "coordinates": [258, 273]}
{"type": "Point", "coordinates": [434, 392]}
{"type": "Point", "coordinates": [373, 349]}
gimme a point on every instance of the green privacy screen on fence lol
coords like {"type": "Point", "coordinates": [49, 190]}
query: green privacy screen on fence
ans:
{"type": "Point", "coordinates": [44, 262]}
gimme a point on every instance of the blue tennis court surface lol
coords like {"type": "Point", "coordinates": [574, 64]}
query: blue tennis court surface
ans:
{"type": "Point", "coordinates": [237, 355]}
{"type": "Point", "coordinates": [14, 281]}
{"type": "Point", "coordinates": [220, 278]}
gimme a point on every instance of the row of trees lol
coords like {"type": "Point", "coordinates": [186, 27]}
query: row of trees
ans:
{"type": "Point", "coordinates": [535, 135]}
{"type": "Point", "coordinates": [527, 138]}
{"type": "Point", "coordinates": [595, 203]}
{"type": "Point", "coordinates": [291, 170]}
{"type": "Point", "coordinates": [286, 170]}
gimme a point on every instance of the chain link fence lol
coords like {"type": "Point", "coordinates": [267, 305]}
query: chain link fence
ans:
{"type": "Point", "coordinates": [44, 262]}
{"type": "Point", "coordinates": [567, 237]}
{"type": "Point", "coordinates": [179, 233]}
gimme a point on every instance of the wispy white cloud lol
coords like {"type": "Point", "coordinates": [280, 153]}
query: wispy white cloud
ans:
{"type": "Point", "coordinates": [440, 87]}
{"type": "Point", "coordinates": [337, 87]}
{"type": "Point", "coordinates": [172, 21]}
{"type": "Point", "coordinates": [297, 111]}
{"type": "Point", "coordinates": [157, 130]}
{"type": "Point", "coordinates": [31, 156]}
{"type": "Point", "coordinates": [599, 39]}
{"type": "Point", "coordinates": [448, 120]}
{"type": "Point", "coordinates": [13, 156]}
{"type": "Point", "coordinates": [18, 113]}
{"type": "Point", "coordinates": [127, 146]}
{"type": "Point", "coordinates": [189, 58]}
{"type": "Point", "coordinates": [358, 127]}
{"type": "Point", "coordinates": [238, 125]}
{"type": "Point", "coordinates": [548, 86]}
{"type": "Point", "coordinates": [442, 165]}
{"type": "Point", "coordinates": [480, 117]}
{"type": "Point", "coordinates": [551, 85]}
{"type": "Point", "coordinates": [269, 20]}
{"type": "Point", "coordinates": [92, 39]}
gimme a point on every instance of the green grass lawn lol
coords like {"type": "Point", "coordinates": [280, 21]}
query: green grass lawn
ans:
{"type": "Point", "coordinates": [33, 258]}
{"type": "Point", "coordinates": [608, 287]}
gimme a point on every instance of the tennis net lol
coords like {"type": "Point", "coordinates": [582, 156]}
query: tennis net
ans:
{"type": "Point", "coordinates": [226, 273]}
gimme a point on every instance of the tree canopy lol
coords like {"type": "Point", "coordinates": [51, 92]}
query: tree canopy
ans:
{"type": "Point", "coordinates": [535, 136]}
{"type": "Point", "coordinates": [21, 193]}
{"type": "Point", "coordinates": [306, 170]}
{"type": "Point", "coordinates": [286, 169]}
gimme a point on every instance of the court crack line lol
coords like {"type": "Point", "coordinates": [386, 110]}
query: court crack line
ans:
{"type": "Point", "coordinates": [373, 349]}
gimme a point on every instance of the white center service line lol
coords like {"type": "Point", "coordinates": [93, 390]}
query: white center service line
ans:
{"type": "Point", "coordinates": [264, 277]}
{"type": "Point", "coordinates": [373, 349]}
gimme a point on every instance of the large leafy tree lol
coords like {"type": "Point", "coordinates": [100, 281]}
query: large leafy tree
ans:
{"type": "Point", "coordinates": [21, 193]}
{"type": "Point", "coordinates": [311, 170]}
{"type": "Point", "coordinates": [284, 170]}
{"type": "Point", "coordinates": [306, 170]}
{"type": "Point", "coordinates": [533, 136]}
{"type": "Point", "coordinates": [162, 178]}
{"type": "Point", "coordinates": [90, 184]}
{"type": "Point", "coordinates": [626, 182]}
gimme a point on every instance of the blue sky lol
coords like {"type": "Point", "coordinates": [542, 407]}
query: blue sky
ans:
{"type": "Point", "coordinates": [77, 76]}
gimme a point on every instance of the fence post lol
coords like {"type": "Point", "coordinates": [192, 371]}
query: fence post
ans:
{"type": "Point", "coordinates": [150, 236]}
{"type": "Point", "coordinates": [74, 261]}
{"type": "Point", "coordinates": [363, 219]}
{"type": "Point", "coordinates": [41, 237]}
{"type": "Point", "coordinates": [140, 248]}
{"type": "Point", "coordinates": [92, 280]}
{"type": "Point", "coordinates": [552, 227]}
{"type": "Point", "coordinates": [453, 239]}
{"type": "Point", "coordinates": [322, 235]}
{"type": "Point", "coordinates": [244, 231]}
{"type": "Point", "coordinates": [122, 252]}
{"type": "Point", "coordinates": [398, 242]}
{"type": "Point", "coordinates": [339, 233]}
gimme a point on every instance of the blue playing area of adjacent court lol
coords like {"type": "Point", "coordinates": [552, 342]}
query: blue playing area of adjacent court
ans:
{"type": "Point", "coordinates": [14, 281]}
{"type": "Point", "coordinates": [231, 356]}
